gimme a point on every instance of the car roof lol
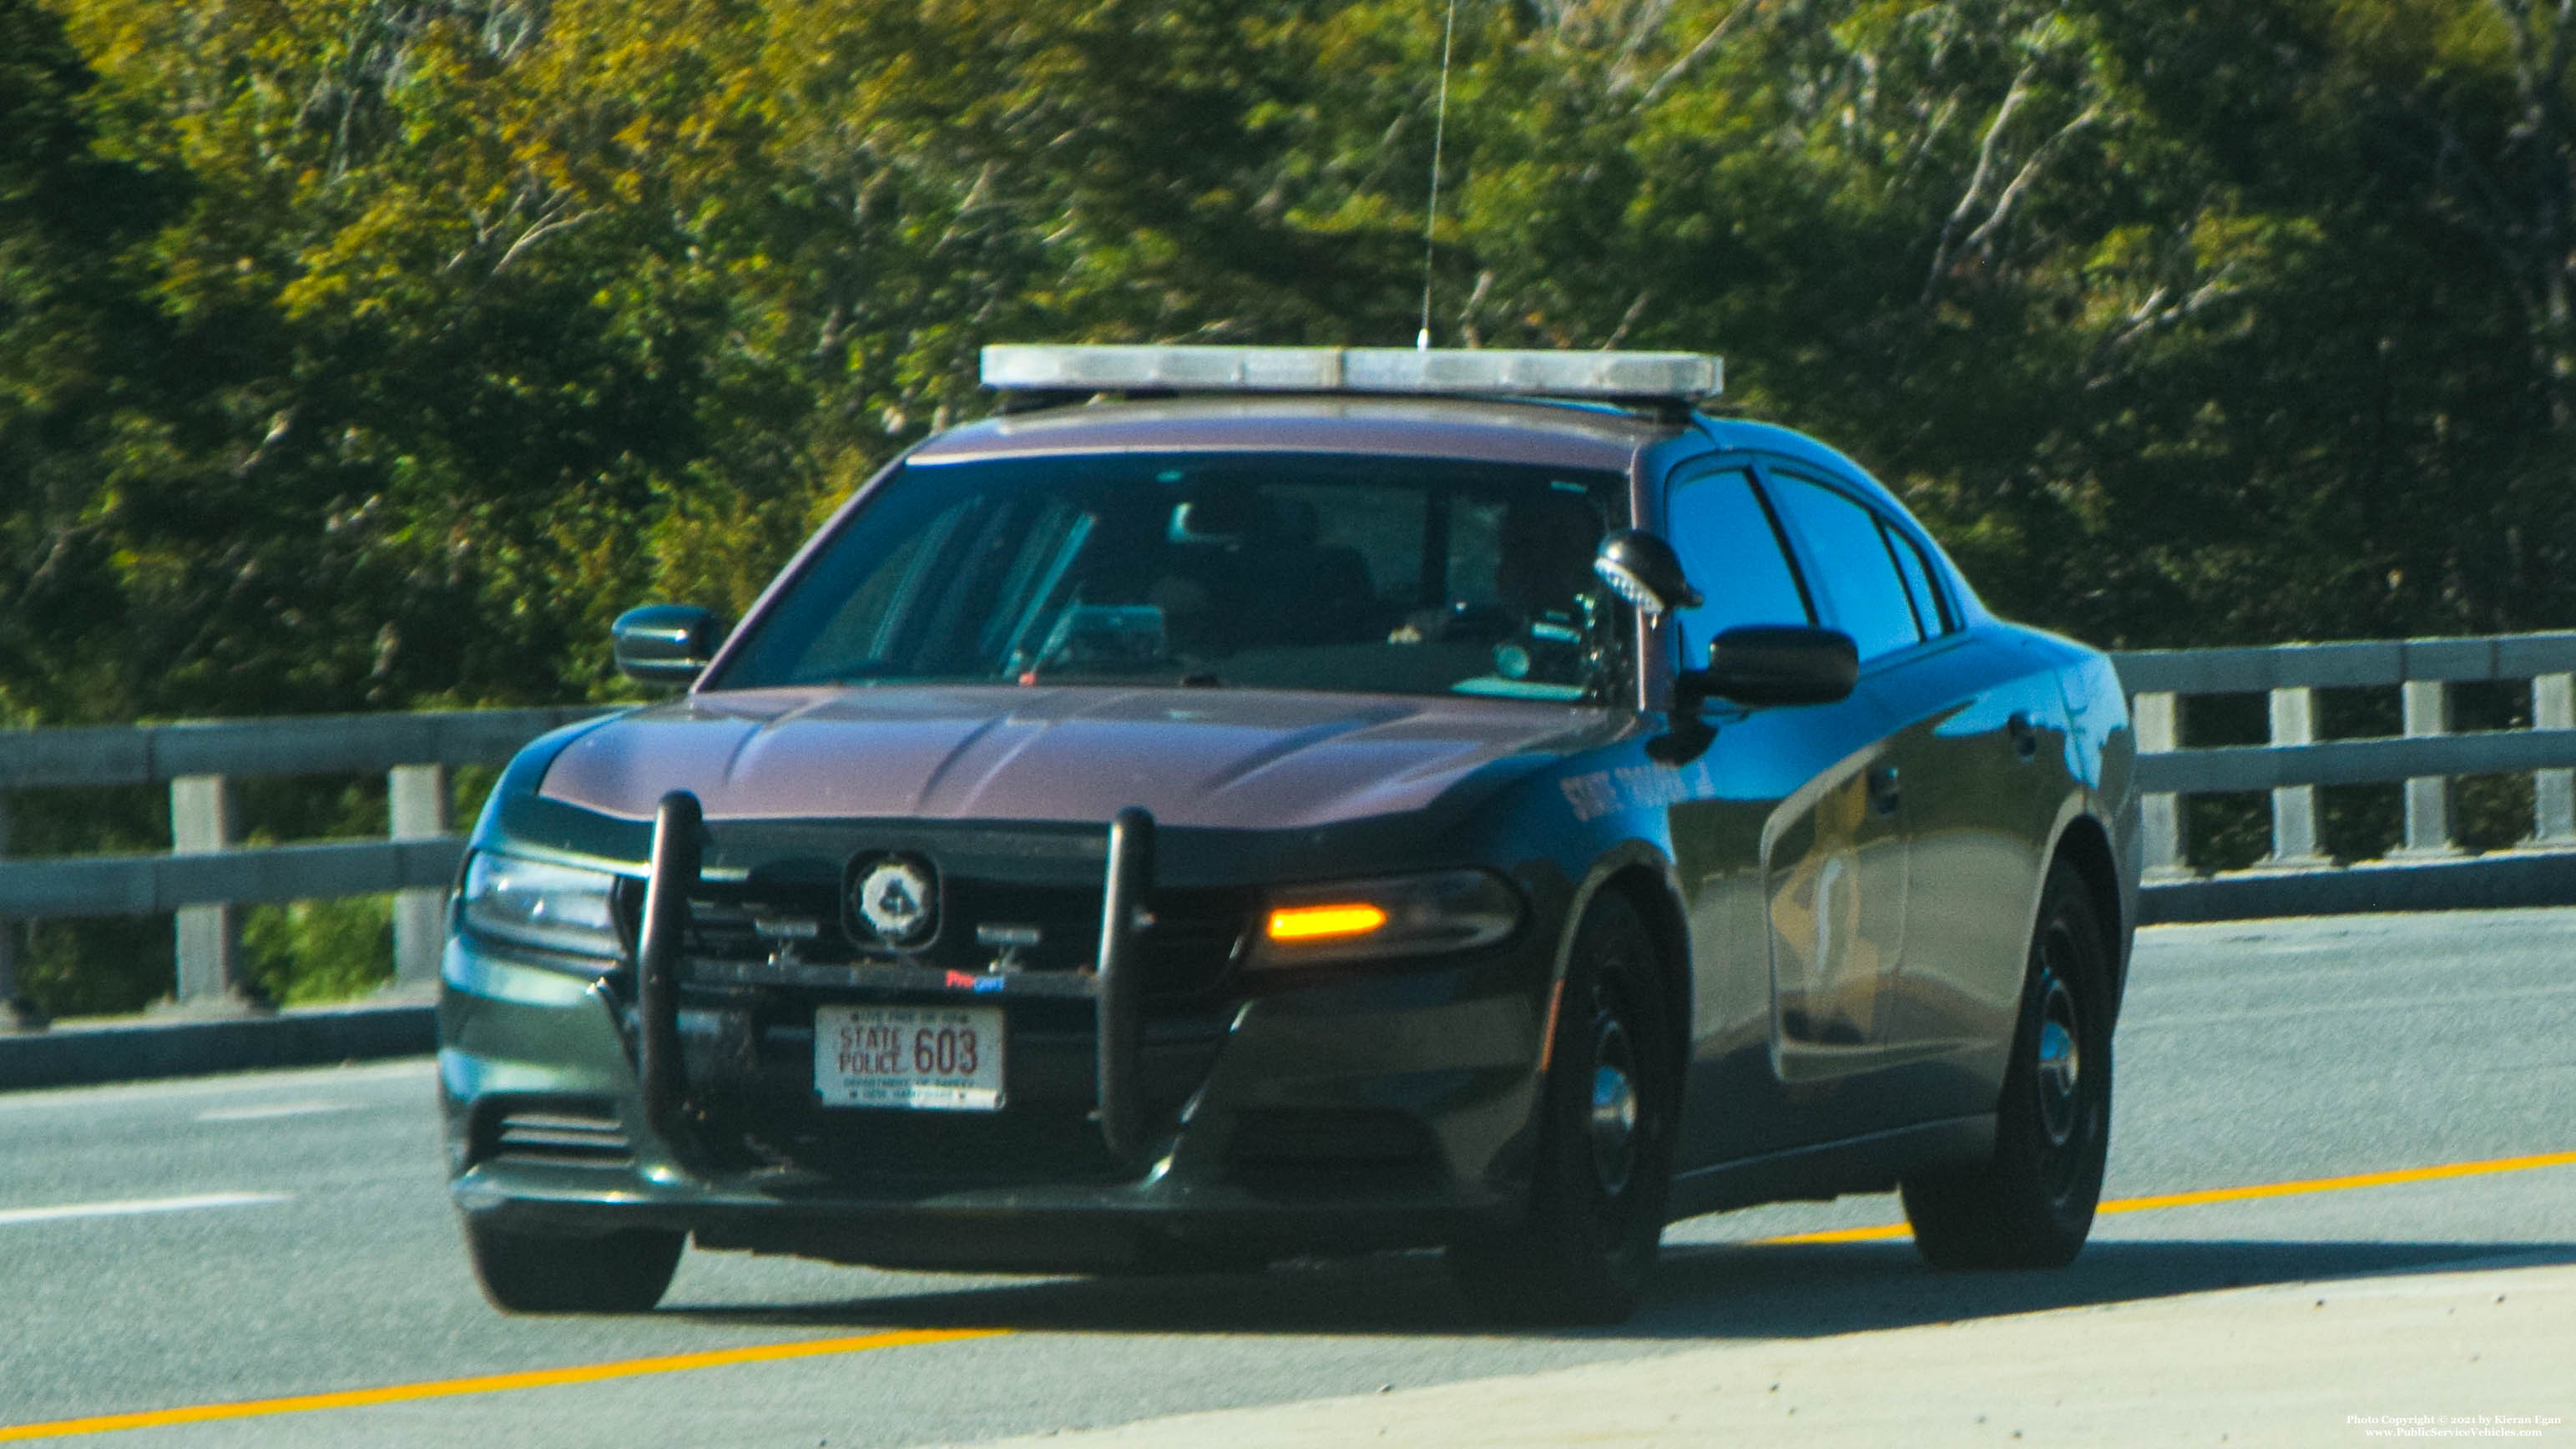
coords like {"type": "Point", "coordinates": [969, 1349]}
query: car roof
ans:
{"type": "Point", "coordinates": [1557, 434]}
{"type": "Point", "coordinates": [1592, 436]}
{"type": "Point", "coordinates": [1737, 435]}
{"type": "Point", "coordinates": [1561, 435]}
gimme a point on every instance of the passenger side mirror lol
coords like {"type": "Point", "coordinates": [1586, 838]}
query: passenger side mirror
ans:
{"type": "Point", "coordinates": [1773, 664]}
{"type": "Point", "coordinates": [664, 643]}
{"type": "Point", "coordinates": [1644, 570]}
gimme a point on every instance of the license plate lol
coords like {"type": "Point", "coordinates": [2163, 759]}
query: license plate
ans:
{"type": "Point", "coordinates": [935, 1058]}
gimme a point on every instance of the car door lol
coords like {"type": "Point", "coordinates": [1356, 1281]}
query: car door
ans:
{"type": "Point", "coordinates": [1983, 720]}
{"type": "Point", "coordinates": [1968, 718]}
{"type": "Point", "coordinates": [1794, 880]}
{"type": "Point", "coordinates": [1866, 873]}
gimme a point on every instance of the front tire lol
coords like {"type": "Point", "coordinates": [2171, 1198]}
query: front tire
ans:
{"type": "Point", "coordinates": [619, 1272]}
{"type": "Point", "coordinates": [2031, 1206]}
{"type": "Point", "coordinates": [1607, 1109]}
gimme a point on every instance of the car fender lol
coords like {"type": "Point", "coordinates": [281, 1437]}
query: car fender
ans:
{"type": "Point", "coordinates": [2079, 807]}
{"type": "Point", "coordinates": [1629, 855]}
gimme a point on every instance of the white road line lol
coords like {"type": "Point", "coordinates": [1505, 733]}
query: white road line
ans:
{"type": "Point", "coordinates": [132, 1206]}
{"type": "Point", "coordinates": [273, 1109]}
{"type": "Point", "coordinates": [121, 1094]}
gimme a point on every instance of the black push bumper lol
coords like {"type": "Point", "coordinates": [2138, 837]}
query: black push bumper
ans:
{"type": "Point", "coordinates": [1355, 1110]}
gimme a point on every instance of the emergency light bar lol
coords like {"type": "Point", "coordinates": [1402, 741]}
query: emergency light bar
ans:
{"type": "Point", "coordinates": [1682, 377]}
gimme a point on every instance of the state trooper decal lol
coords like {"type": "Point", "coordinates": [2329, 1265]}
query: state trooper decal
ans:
{"type": "Point", "coordinates": [892, 901]}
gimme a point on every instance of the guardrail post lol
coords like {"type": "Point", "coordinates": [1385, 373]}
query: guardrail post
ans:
{"type": "Point", "coordinates": [2294, 807]}
{"type": "Point", "coordinates": [204, 816]}
{"type": "Point", "coordinates": [2553, 792]}
{"type": "Point", "coordinates": [416, 802]}
{"type": "Point", "coordinates": [17, 1013]}
{"type": "Point", "coordinates": [2157, 717]}
{"type": "Point", "coordinates": [2427, 707]}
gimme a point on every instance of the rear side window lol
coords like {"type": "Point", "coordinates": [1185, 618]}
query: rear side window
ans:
{"type": "Point", "coordinates": [1732, 555]}
{"type": "Point", "coordinates": [1931, 611]}
{"type": "Point", "coordinates": [1847, 550]}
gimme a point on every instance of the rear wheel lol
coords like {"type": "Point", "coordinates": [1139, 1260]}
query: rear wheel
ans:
{"type": "Point", "coordinates": [1596, 1212]}
{"type": "Point", "coordinates": [2031, 1206]}
{"type": "Point", "coordinates": [619, 1272]}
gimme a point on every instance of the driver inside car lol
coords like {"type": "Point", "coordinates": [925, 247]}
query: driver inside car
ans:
{"type": "Point", "coordinates": [1538, 600]}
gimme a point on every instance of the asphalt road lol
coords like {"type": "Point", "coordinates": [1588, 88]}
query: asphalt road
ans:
{"type": "Point", "coordinates": [285, 1234]}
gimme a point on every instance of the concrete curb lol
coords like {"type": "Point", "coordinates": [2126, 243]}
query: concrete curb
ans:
{"type": "Point", "coordinates": [2500, 880]}
{"type": "Point", "coordinates": [78, 1053]}
{"type": "Point", "coordinates": [2335, 1362]}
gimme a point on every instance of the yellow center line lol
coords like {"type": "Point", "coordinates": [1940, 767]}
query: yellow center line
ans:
{"type": "Point", "coordinates": [2229, 1194]}
{"type": "Point", "coordinates": [862, 1343]}
{"type": "Point", "coordinates": [493, 1383]}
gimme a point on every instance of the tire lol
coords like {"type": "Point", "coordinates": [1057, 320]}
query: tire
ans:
{"type": "Point", "coordinates": [1595, 1219]}
{"type": "Point", "coordinates": [619, 1272]}
{"type": "Point", "coordinates": [2031, 1206]}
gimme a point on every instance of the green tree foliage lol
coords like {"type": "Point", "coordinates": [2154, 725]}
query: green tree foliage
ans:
{"type": "Point", "coordinates": [81, 366]}
{"type": "Point", "coordinates": [372, 353]}
{"type": "Point", "coordinates": [375, 353]}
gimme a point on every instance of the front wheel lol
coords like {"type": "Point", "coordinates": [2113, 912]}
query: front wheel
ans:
{"type": "Point", "coordinates": [2031, 1205]}
{"type": "Point", "coordinates": [1607, 1109]}
{"type": "Point", "coordinates": [619, 1272]}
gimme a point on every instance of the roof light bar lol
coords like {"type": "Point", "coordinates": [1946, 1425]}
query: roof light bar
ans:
{"type": "Point", "coordinates": [1686, 377]}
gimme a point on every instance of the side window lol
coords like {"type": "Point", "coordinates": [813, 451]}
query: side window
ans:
{"type": "Point", "coordinates": [1732, 553]}
{"type": "Point", "coordinates": [1931, 610]}
{"type": "Point", "coordinates": [1846, 549]}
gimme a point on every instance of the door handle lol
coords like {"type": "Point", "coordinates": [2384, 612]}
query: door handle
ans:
{"type": "Point", "coordinates": [1885, 791]}
{"type": "Point", "coordinates": [2025, 736]}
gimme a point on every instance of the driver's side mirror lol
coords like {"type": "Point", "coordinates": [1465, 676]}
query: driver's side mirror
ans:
{"type": "Point", "coordinates": [1773, 664]}
{"type": "Point", "coordinates": [1644, 570]}
{"type": "Point", "coordinates": [664, 643]}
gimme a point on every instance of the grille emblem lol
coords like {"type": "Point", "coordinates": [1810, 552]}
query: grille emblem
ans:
{"type": "Point", "coordinates": [893, 901]}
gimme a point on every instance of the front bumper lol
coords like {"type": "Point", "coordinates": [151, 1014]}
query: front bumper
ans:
{"type": "Point", "coordinates": [1343, 1112]}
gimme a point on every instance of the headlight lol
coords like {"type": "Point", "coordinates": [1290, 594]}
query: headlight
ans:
{"type": "Point", "coordinates": [1413, 915]}
{"type": "Point", "coordinates": [554, 907]}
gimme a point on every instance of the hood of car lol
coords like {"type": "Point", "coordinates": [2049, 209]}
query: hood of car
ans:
{"type": "Point", "coordinates": [1237, 759]}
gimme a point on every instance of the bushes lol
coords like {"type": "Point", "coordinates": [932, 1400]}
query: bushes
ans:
{"type": "Point", "coordinates": [370, 355]}
{"type": "Point", "coordinates": [315, 951]}
{"type": "Point", "coordinates": [385, 352]}
{"type": "Point", "coordinates": [294, 954]}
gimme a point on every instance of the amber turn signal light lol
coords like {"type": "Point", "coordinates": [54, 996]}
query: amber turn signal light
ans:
{"type": "Point", "coordinates": [1317, 923]}
{"type": "Point", "coordinates": [1404, 915]}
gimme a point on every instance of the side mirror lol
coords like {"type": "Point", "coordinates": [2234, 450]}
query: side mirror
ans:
{"type": "Point", "coordinates": [1644, 570]}
{"type": "Point", "coordinates": [664, 643]}
{"type": "Point", "coordinates": [1773, 664]}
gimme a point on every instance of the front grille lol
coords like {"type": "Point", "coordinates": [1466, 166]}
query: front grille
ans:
{"type": "Point", "coordinates": [768, 941]}
{"type": "Point", "coordinates": [777, 899]}
{"type": "Point", "coordinates": [562, 1131]}
{"type": "Point", "coordinates": [1192, 941]}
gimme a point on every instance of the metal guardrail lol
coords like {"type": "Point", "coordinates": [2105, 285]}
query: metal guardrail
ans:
{"type": "Point", "coordinates": [2428, 870]}
{"type": "Point", "coordinates": [209, 876]}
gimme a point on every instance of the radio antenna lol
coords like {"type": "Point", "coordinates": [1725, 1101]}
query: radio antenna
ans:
{"type": "Point", "coordinates": [1439, 136]}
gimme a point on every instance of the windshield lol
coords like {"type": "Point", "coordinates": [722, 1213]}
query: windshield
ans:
{"type": "Point", "coordinates": [1259, 570]}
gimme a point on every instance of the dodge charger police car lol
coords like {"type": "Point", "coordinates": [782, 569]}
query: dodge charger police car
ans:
{"type": "Point", "coordinates": [1243, 802]}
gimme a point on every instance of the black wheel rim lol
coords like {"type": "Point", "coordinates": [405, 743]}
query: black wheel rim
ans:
{"type": "Point", "coordinates": [2065, 1091]}
{"type": "Point", "coordinates": [1611, 1124]}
